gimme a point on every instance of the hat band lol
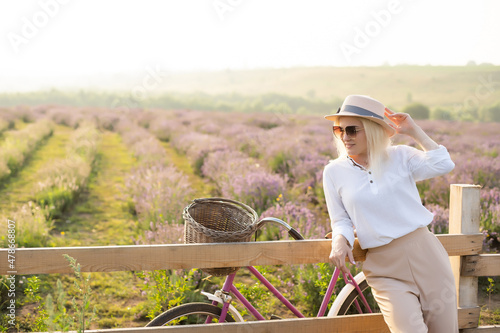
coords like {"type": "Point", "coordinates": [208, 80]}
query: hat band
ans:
{"type": "Point", "coordinates": [361, 111]}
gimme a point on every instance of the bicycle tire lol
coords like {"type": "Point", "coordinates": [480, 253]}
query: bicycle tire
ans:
{"type": "Point", "coordinates": [353, 295]}
{"type": "Point", "coordinates": [189, 309]}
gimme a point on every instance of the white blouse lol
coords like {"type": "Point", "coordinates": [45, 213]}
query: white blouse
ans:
{"type": "Point", "coordinates": [385, 208]}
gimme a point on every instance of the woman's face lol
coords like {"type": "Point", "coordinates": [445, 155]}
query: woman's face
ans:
{"type": "Point", "coordinates": [356, 146]}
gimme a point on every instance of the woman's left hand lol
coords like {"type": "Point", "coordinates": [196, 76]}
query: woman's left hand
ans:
{"type": "Point", "coordinates": [401, 122]}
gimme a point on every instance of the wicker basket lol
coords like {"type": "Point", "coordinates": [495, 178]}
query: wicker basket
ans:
{"type": "Point", "coordinates": [218, 220]}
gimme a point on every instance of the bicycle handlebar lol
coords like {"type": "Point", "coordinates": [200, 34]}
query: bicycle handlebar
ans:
{"type": "Point", "coordinates": [291, 231]}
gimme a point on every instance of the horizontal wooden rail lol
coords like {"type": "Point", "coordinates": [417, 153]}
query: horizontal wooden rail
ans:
{"type": "Point", "coordinates": [481, 265]}
{"type": "Point", "coordinates": [482, 329]}
{"type": "Point", "coordinates": [187, 256]}
{"type": "Point", "coordinates": [369, 323]}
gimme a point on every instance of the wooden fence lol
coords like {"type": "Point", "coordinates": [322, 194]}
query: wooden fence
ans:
{"type": "Point", "coordinates": [463, 244]}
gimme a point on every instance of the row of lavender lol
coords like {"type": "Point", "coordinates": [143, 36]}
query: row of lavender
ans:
{"type": "Point", "coordinates": [58, 186]}
{"type": "Point", "coordinates": [17, 145]}
{"type": "Point", "coordinates": [158, 191]}
{"type": "Point", "coordinates": [273, 165]}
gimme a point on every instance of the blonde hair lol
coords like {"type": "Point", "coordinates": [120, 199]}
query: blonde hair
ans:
{"type": "Point", "coordinates": [377, 142]}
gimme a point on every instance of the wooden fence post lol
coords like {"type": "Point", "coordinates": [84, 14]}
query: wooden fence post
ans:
{"type": "Point", "coordinates": [464, 219]}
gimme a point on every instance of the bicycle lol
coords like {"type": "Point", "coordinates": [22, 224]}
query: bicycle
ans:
{"type": "Point", "coordinates": [351, 295]}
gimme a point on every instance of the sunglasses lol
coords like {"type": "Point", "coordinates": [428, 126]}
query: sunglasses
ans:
{"type": "Point", "coordinates": [350, 131]}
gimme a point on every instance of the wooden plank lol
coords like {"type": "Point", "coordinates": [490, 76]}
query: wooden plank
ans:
{"type": "Point", "coordinates": [482, 329]}
{"type": "Point", "coordinates": [178, 256]}
{"type": "Point", "coordinates": [461, 245]}
{"type": "Point", "coordinates": [468, 317]}
{"type": "Point", "coordinates": [187, 256]}
{"type": "Point", "coordinates": [369, 323]}
{"type": "Point", "coordinates": [464, 219]}
{"type": "Point", "coordinates": [464, 209]}
{"type": "Point", "coordinates": [357, 323]}
{"type": "Point", "coordinates": [481, 265]}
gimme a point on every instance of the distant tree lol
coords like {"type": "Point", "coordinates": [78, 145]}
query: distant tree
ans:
{"type": "Point", "coordinates": [302, 110]}
{"type": "Point", "coordinates": [441, 114]}
{"type": "Point", "coordinates": [490, 113]}
{"type": "Point", "coordinates": [417, 111]}
{"type": "Point", "coordinates": [469, 114]}
{"type": "Point", "coordinates": [281, 108]}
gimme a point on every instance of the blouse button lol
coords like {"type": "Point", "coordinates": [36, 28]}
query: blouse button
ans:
{"type": "Point", "coordinates": [371, 181]}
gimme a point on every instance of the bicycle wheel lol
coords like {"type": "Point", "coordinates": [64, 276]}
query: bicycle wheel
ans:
{"type": "Point", "coordinates": [189, 314]}
{"type": "Point", "coordinates": [349, 307]}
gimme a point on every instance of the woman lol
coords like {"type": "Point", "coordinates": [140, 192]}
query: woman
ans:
{"type": "Point", "coordinates": [371, 187]}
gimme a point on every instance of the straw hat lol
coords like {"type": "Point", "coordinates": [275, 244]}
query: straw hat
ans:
{"type": "Point", "coordinates": [363, 107]}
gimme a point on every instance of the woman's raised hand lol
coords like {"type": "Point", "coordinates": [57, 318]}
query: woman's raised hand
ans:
{"type": "Point", "coordinates": [401, 122]}
{"type": "Point", "coordinates": [404, 124]}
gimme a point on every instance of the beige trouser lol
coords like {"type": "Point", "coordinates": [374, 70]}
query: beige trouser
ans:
{"type": "Point", "coordinates": [413, 284]}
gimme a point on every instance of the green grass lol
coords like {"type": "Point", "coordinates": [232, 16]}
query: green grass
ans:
{"type": "Point", "coordinates": [489, 316]}
{"type": "Point", "coordinates": [117, 297]}
{"type": "Point", "coordinates": [19, 189]}
{"type": "Point", "coordinates": [101, 216]}
{"type": "Point", "coordinates": [202, 187]}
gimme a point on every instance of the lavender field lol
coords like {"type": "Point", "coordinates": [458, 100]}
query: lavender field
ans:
{"type": "Point", "coordinates": [142, 167]}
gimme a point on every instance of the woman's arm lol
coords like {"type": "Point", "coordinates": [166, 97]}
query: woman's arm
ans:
{"type": "Point", "coordinates": [433, 161]}
{"type": "Point", "coordinates": [342, 227]}
{"type": "Point", "coordinates": [404, 124]}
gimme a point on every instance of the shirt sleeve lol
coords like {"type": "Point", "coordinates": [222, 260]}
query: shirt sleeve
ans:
{"type": "Point", "coordinates": [428, 164]}
{"type": "Point", "coordinates": [340, 220]}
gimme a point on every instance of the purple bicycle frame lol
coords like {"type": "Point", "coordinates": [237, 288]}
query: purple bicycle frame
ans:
{"type": "Point", "coordinates": [230, 288]}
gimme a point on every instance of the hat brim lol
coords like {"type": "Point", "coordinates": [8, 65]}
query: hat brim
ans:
{"type": "Point", "coordinates": [390, 131]}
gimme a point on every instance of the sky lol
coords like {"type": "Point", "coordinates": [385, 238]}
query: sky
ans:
{"type": "Point", "coordinates": [46, 40]}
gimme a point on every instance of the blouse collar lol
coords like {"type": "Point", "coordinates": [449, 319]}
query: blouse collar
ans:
{"type": "Point", "coordinates": [355, 163]}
